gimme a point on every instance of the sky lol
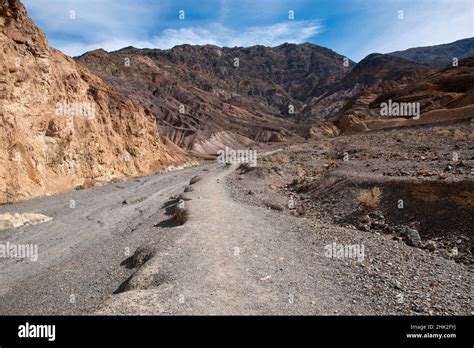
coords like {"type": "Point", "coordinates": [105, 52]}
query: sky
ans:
{"type": "Point", "coordinates": [353, 28]}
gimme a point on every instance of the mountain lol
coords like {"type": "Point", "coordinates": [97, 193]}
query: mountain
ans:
{"type": "Point", "coordinates": [375, 74]}
{"type": "Point", "coordinates": [203, 101]}
{"type": "Point", "coordinates": [204, 97]}
{"type": "Point", "coordinates": [354, 104]}
{"type": "Point", "coordinates": [445, 94]}
{"type": "Point", "coordinates": [439, 55]}
{"type": "Point", "coordinates": [61, 126]}
{"type": "Point", "coordinates": [67, 123]}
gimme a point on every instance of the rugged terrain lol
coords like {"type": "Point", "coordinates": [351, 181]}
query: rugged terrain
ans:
{"type": "Point", "coordinates": [204, 97]}
{"type": "Point", "coordinates": [203, 102]}
{"type": "Point", "coordinates": [234, 239]}
{"type": "Point", "coordinates": [62, 127]}
{"type": "Point", "coordinates": [131, 256]}
{"type": "Point", "coordinates": [439, 55]}
{"type": "Point", "coordinates": [403, 183]}
{"type": "Point", "coordinates": [353, 105]}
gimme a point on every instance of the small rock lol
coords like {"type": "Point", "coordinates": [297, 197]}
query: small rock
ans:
{"type": "Point", "coordinates": [365, 219]}
{"type": "Point", "coordinates": [275, 206]}
{"type": "Point", "coordinates": [400, 298]}
{"type": "Point", "coordinates": [417, 308]}
{"type": "Point", "coordinates": [430, 245]}
{"type": "Point", "coordinates": [412, 237]}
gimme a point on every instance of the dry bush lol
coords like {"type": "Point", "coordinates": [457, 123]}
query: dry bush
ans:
{"type": "Point", "coordinates": [459, 135]}
{"type": "Point", "coordinates": [370, 198]}
{"type": "Point", "coordinates": [181, 216]}
{"type": "Point", "coordinates": [279, 158]}
{"type": "Point", "coordinates": [443, 132]}
{"type": "Point", "coordinates": [181, 213]}
{"type": "Point", "coordinates": [298, 170]}
{"type": "Point", "coordinates": [245, 168]}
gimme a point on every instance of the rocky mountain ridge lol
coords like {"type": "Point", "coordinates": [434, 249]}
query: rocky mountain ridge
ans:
{"type": "Point", "coordinates": [204, 97]}
{"type": "Point", "coordinates": [200, 92]}
{"type": "Point", "coordinates": [439, 55]}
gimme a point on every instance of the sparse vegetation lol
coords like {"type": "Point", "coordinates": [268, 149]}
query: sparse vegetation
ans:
{"type": "Point", "coordinates": [181, 213]}
{"type": "Point", "coordinates": [370, 198]}
{"type": "Point", "coordinates": [279, 158]}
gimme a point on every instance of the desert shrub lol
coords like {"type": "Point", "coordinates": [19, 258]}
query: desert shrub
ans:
{"type": "Point", "coordinates": [370, 198]}
{"type": "Point", "coordinates": [279, 158]}
{"type": "Point", "coordinates": [181, 213]}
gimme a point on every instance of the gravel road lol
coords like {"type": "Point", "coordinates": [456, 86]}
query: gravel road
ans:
{"type": "Point", "coordinates": [232, 258]}
{"type": "Point", "coordinates": [81, 249]}
{"type": "Point", "coordinates": [228, 258]}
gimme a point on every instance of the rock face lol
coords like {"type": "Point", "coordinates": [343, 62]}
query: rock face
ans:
{"type": "Point", "coordinates": [354, 103]}
{"type": "Point", "coordinates": [373, 75]}
{"type": "Point", "coordinates": [60, 125]}
{"type": "Point", "coordinates": [206, 97]}
{"type": "Point", "coordinates": [446, 89]}
{"type": "Point", "coordinates": [439, 55]}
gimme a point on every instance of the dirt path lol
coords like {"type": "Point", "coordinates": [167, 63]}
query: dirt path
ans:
{"type": "Point", "coordinates": [230, 258]}
{"type": "Point", "coordinates": [233, 258]}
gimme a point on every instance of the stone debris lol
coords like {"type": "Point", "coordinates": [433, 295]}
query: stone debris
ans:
{"type": "Point", "coordinates": [9, 220]}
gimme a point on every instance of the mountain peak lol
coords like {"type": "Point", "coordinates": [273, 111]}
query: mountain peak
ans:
{"type": "Point", "coordinates": [20, 28]}
{"type": "Point", "coordinates": [439, 55]}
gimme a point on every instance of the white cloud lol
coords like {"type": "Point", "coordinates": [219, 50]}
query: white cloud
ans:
{"type": "Point", "coordinates": [215, 34]}
{"type": "Point", "coordinates": [358, 28]}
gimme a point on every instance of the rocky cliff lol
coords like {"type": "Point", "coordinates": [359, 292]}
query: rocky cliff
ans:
{"type": "Point", "coordinates": [62, 127]}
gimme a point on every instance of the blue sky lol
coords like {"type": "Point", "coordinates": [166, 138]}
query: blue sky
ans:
{"type": "Point", "coordinates": [354, 28]}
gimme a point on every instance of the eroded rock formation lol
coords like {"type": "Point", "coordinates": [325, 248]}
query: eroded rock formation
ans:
{"type": "Point", "coordinates": [61, 126]}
